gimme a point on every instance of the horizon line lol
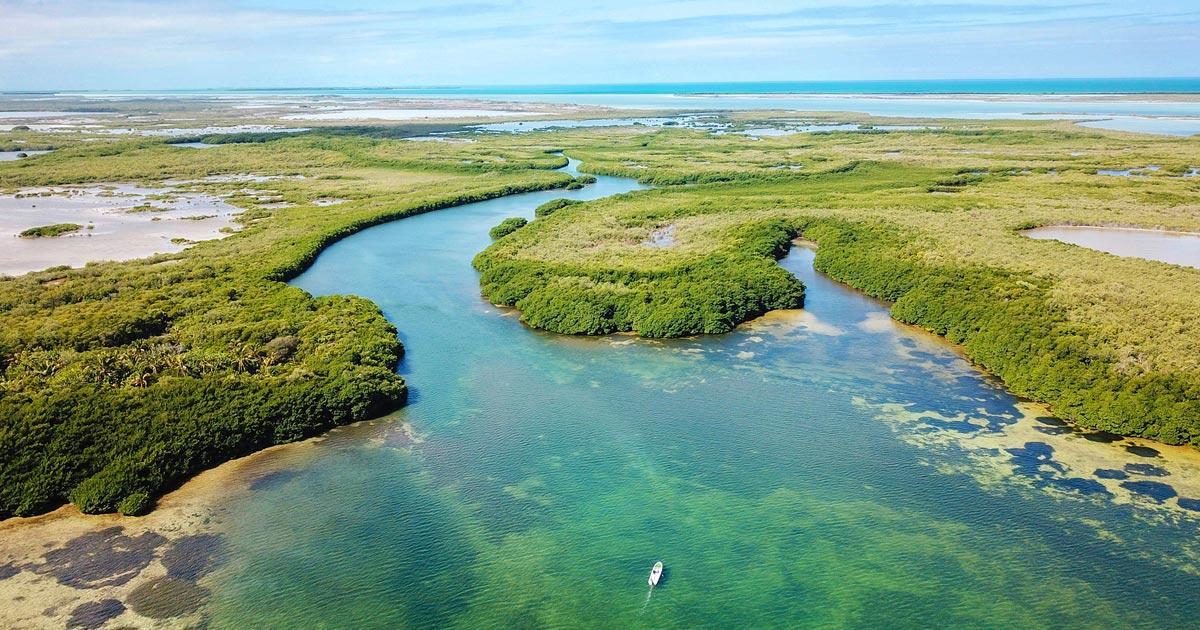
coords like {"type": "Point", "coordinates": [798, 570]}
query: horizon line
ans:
{"type": "Point", "coordinates": [464, 86]}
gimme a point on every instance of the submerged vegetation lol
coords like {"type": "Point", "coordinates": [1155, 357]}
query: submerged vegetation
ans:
{"type": "Point", "coordinates": [119, 380]}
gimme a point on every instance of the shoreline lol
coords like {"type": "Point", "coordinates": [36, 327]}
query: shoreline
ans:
{"type": "Point", "coordinates": [105, 569]}
{"type": "Point", "coordinates": [1125, 97]}
{"type": "Point", "coordinates": [37, 589]}
{"type": "Point", "coordinates": [199, 506]}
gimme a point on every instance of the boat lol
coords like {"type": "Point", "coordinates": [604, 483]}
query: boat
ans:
{"type": "Point", "coordinates": [656, 573]}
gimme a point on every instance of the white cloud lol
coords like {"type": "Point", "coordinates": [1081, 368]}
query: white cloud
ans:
{"type": "Point", "coordinates": [144, 43]}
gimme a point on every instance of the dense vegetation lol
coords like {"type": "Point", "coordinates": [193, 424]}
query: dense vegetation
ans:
{"type": "Point", "coordinates": [709, 294]}
{"type": "Point", "coordinates": [507, 226]}
{"type": "Point", "coordinates": [1006, 322]}
{"type": "Point", "coordinates": [553, 205]}
{"type": "Point", "coordinates": [118, 380]}
{"type": "Point", "coordinates": [49, 231]}
{"type": "Point", "coordinates": [927, 219]}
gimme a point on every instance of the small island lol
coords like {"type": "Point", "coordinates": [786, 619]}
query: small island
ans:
{"type": "Point", "coordinates": [50, 231]}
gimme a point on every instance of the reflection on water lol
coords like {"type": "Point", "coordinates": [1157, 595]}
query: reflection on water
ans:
{"type": "Point", "coordinates": [1176, 248]}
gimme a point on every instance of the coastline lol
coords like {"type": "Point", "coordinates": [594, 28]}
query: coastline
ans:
{"type": "Point", "coordinates": [1102, 97]}
{"type": "Point", "coordinates": [41, 594]}
{"type": "Point", "coordinates": [53, 564]}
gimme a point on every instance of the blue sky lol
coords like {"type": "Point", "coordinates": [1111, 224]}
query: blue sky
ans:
{"type": "Point", "coordinates": [146, 44]}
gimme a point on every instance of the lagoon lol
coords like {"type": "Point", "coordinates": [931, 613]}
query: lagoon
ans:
{"type": "Point", "coordinates": [1176, 248]}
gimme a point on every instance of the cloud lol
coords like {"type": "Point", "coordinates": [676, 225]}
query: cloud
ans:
{"type": "Point", "coordinates": [144, 43]}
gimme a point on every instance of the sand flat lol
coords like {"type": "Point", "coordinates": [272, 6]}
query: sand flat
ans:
{"type": "Point", "coordinates": [120, 222]}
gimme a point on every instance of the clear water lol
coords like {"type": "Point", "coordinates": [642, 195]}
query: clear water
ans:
{"type": "Point", "coordinates": [813, 468]}
{"type": "Point", "coordinates": [1159, 126]}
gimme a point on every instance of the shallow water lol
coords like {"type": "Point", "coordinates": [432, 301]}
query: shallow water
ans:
{"type": "Point", "coordinates": [8, 156]}
{"type": "Point", "coordinates": [1177, 248]}
{"type": "Point", "coordinates": [1159, 126]}
{"type": "Point", "coordinates": [121, 222]}
{"type": "Point", "coordinates": [404, 114]}
{"type": "Point", "coordinates": [1129, 172]}
{"type": "Point", "coordinates": [700, 121]}
{"type": "Point", "coordinates": [788, 130]}
{"type": "Point", "coordinates": [1146, 116]}
{"type": "Point", "coordinates": [518, 126]}
{"type": "Point", "coordinates": [13, 115]}
{"type": "Point", "coordinates": [817, 467]}
{"type": "Point", "coordinates": [179, 132]}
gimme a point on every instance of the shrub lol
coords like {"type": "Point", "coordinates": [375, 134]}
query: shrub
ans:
{"type": "Point", "coordinates": [50, 231]}
{"type": "Point", "coordinates": [712, 295]}
{"type": "Point", "coordinates": [136, 504]}
{"type": "Point", "coordinates": [552, 206]}
{"type": "Point", "coordinates": [506, 227]}
{"type": "Point", "coordinates": [126, 378]}
{"type": "Point", "coordinates": [1006, 322]}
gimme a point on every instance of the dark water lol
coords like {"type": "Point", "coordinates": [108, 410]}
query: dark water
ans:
{"type": "Point", "coordinates": [816, 468]}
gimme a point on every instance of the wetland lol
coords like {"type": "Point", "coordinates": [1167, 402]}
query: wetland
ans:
{"type": "Point", "coordinates": [497, 472]}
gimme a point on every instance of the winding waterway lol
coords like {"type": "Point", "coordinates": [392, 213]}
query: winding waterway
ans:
{"type": "Point", "coordinates": [815, 467]}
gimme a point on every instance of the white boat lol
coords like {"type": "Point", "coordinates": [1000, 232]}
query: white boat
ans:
{"type": "Point", "coordinates": [656, 573]}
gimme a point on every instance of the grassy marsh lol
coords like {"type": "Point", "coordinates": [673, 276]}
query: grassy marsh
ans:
{"type": "Point", "coordinates": [121, 379]}
{"type": "Point", "coordinates": [927, 219]}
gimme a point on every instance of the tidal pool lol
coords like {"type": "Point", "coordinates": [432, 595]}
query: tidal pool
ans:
{"type": "Point", "coordinates": [1129, 172]}
{"type": "Point", "coordinates": [1139, 124]}
{"type": "Point", "coordinates": [1177, 248]}
{"type": "Point", "coordinates": [120, 222]}
{"type": "Point", "coordinates": [812, 468]}
{"type": "Point", "coordinates": [9, 156]}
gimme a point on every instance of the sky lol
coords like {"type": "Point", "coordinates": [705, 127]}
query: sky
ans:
{"type": "Point", "coordinates": [159, 44]}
